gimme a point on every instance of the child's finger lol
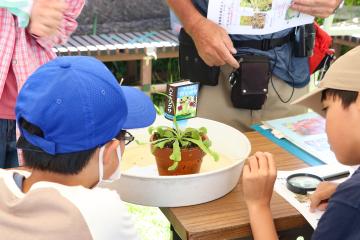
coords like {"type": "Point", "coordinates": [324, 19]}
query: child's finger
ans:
{"type": "Point", "coordinates": [271, 163]}
{"type": "Point", "coordinates": [246, 170]}
{"type": "Point", "coordinates": [263, 162]}
{"type": "Point", "coordinates": [253, 163]}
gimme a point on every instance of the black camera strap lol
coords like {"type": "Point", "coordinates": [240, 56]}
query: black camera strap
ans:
{"type": "Point", "coordinates": [265, 44]}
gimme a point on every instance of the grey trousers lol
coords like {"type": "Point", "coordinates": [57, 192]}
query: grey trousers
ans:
{"type": "Point", "coordinates": [215, 103]}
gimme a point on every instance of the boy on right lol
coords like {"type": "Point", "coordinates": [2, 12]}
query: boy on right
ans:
{"type": "Point", "coordinates": [338, 100]}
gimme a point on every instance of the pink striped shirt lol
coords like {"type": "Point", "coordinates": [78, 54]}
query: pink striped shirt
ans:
{"type": "Point", "coordinates": [24, 52]}
{"type": "Point", "coordinates": [8, 98]}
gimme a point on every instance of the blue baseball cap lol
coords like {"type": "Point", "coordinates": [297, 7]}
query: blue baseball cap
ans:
{"type": "Point", "coordinates": [79, 105]}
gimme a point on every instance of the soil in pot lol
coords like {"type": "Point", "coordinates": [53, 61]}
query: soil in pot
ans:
{"type": "Point", "coordinates": [191, 159]}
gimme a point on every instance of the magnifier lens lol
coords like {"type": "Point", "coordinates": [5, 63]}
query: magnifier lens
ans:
{"type": "Point", "coordinates": [304, 182]}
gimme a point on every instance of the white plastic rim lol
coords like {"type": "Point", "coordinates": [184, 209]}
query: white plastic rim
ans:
{"type": "Point", "coordinates": [185, 190]}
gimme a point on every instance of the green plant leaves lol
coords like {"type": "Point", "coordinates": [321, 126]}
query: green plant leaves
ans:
{"type": "Point", "coordinates": [162, 143]}
{"type": "Point", "coordinates": [204, 148]}
{"type": "Point", "coordinates": [181, 139]}
{"type": "Point", "coordinates": [202, 131]}
{"type": "Point", "coordinates": [174, 166]}
{"type": "Point", "coordinates": [176, 154]}
{"type": "Point", "coordinates": [151, 130]}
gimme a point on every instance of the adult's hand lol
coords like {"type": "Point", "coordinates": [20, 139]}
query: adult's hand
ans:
{"type": "Point", "coordinates": [213, 43]}
{"type": "Point", "coordinates": [259, 176]}
{"type": "Point", "coordinates": [319, 199]}
{"type": "Point", "coordinates": [317, 8]}
{"type": "Point", "coordinates": [46, 16]}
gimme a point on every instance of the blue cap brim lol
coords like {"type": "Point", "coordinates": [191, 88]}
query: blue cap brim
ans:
{"type": "Point", "coordinates": [141, 110]}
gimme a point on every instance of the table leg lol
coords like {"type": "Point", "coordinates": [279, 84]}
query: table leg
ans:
{"type": "Point", "coordinates": [175, 236]}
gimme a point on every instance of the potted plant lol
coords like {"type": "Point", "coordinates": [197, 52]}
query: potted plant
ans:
{"type": "Point", "coordinates": [179, 151]}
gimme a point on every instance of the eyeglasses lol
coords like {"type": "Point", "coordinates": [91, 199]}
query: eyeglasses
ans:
{"type": "Point", "coordinates": [125, 136]}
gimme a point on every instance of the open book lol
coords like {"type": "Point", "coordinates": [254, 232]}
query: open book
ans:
{"type": "Point", "coordinates": [306, 131]}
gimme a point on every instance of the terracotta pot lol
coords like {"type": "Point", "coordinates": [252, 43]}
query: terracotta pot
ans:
{"type": "Point", "coordinates": [191, 159]}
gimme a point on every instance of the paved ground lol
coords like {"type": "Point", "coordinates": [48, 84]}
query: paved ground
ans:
{"type": "Point", "coordinates": [124, 16]}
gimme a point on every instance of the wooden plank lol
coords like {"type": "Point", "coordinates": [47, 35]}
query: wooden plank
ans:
{"type": "Point", "coordinates": [145, 37]}
{"type": "Point", "coordinates": [132, 39]}
{"type": "Point", "coordinates": [114, 40]}
{"type": "Point", "coordinates": [163, 45]}
{"type": "Point", "coordinates": [130, 48]}
{"type": "Point", "coordinates": [81, 49]}
{"type": "Point", "coordinates": [171, 36]}
{"type": "Point", "coordinates": [102, 50]}
{"type": "Point", "coordinates": [71, 49]}
{"type": "Point", "coordinates": [139, 42]}
{"type": "Point", "coordinates": [135, 56]}
{"type": "Point", "coordinates": [164, 35]}
{"type": "Point", "coordinates": [62, 50]}
{"type": "Point", "coordinates": [92, 49]}
{"type": "Point", "coordinates": [111, 48]}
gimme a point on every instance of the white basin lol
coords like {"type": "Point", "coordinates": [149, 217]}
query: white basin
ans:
{"type": "Point", "coordinates": [140, 183]}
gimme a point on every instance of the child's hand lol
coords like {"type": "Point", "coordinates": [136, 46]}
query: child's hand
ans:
{"type": "Point", "coordinates": [319, 199]}
{"type": "Point", "coordinates": [259, 176]}
{"type": "Point", "coordinates": [46, 16]}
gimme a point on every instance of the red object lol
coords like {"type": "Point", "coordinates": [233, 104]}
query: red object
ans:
{"type": "Point", "coordinates": [321, 49]}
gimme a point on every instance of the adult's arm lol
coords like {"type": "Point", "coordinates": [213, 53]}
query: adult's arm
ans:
{"type": "Point", "coordinates": [317, 8]}
{"type": "Point", "coordinates": [212, 41]}
{"type": "Point", "coordinates": [66, 25]}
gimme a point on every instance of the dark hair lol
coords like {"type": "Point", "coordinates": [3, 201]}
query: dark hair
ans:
{"type": "Point", "coordinates": [35, 158]}
{"type": "Point", "coordinates": [346, 97]}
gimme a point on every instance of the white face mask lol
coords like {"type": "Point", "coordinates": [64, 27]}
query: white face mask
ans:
{"type": "Point", "coordinates": [117, 174]}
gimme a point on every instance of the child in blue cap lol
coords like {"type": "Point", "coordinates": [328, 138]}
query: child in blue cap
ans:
{"type": "Point", "coordinates": [73, 117]}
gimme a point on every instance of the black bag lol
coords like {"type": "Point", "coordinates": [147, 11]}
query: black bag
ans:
{"type": "Point", "coordinates": [192, 67]}
{"type": "Point", "coordinates": [249, 83]}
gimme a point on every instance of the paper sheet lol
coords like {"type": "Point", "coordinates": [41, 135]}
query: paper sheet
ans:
{"type": "Point", "coordinates": [307, 131]}
{"type": "Point", "coordinates": [302, 202]}
{"type": "Point", "coordinates": [255, 17]}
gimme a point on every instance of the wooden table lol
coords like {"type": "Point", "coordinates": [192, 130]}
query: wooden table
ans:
{"type": "Point", "coordinates": [227, 217]}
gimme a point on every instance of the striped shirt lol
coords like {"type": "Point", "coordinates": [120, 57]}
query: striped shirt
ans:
{"type": "Point", "coordinates": [24, 52]}
{"type": "Point", "coordinates": [57, 212]}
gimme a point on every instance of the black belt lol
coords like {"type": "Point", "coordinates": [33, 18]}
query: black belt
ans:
{"type": "Point", "coordinates": [265, 44]}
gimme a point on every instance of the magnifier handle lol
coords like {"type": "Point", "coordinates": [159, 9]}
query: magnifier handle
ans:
{"type": "Point", "coordinates": [336, 176]}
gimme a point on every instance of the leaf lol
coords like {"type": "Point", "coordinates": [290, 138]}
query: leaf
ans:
{"type": "Point", "coordinates": [207, 143]}
{"type": "Point", "coordinates": [184, 143]}
{"type": "Point", "coordinates": [168, 134]}
{"type": "Point", "coordinates": [190, 129]}
{"type": "Point", "coordinates": [174, 166]}
{"type": "Point", "coordinates": [202, 146]}
{"type": "Point", "coordinates": [195, 135]}
{"type": "Point", "coordinates": [161, 131]}
{"type": "Point", "coordinates": [140, 143]}
{"type": "Point", "coordinates": [162, 144]}
{"type": "Point", "coordinates": [150, 130]}
{"type": "Point", "coordinates": [159, 111]}
{"type": "Point", "coordinates": [203, 131]}
{"type": "Point", "coordinates": [176, 154]}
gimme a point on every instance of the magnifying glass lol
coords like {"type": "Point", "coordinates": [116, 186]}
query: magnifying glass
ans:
{"type": "Point", "coordinates": [302, 183]}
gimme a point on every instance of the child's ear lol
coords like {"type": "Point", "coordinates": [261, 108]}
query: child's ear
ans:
{"type": "Point", "coordinates": [110, 148]}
